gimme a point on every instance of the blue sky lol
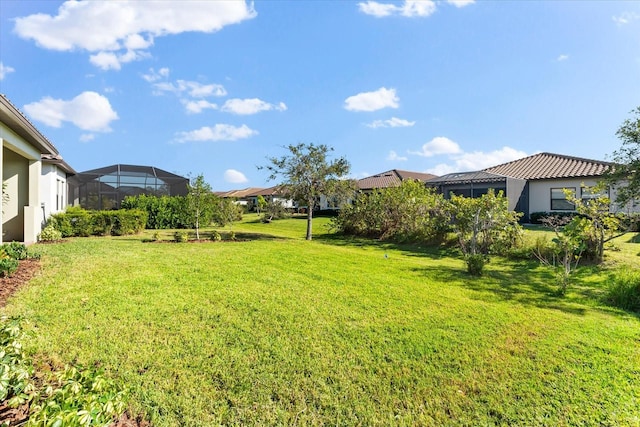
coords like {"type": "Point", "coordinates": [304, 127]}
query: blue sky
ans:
{"type": "Point", "coordinates": [215, 87]}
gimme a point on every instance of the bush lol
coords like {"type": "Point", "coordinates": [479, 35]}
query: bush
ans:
{"type": "Point", "coordinates": [15, 250]}
{"type": "Point", "coordinates": [181, 236]}
{"type": "Point", "coordinates": [624, 291]}
{"type": "Point", "coordinates": [8, 266]}
{"type": "Point", "coordinates": [215, 236]}
{"type": "Point", "coordinates": [49, 234]}
{"type": "Point", "coordinates": [80, 223]}
{"type": "Point", "coordinates": [475, 264]}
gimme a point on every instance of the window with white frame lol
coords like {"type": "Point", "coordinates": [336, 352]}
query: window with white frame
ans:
{"type": "Point", "coordinates": [589, 193]}
{"type": "Point", "coordinates": [559, 200]}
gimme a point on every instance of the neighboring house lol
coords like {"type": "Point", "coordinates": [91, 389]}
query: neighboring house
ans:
{"type": "Point", "coordinates": [532, 184]}
{"type": "Point", "coordinates": [22, 175]}
{"type": "Point", "coordinates": [106, 188]}
{"type": "Point", "coordinates": [392, 178]}
{"type": "Point", "coordinates": [54, 185]}
{"type": "Point", "coordinates": [248, 197]}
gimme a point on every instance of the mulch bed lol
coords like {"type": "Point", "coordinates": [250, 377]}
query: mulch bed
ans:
{"type": "Point", "coordinates": [8, 286]}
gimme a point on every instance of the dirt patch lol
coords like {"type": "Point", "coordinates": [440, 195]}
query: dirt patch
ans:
{"type": "Point", "coordinates": [9, 285]}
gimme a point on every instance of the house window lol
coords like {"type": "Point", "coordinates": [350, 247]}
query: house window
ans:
{"type": "Point", "coordinates": [590, 193]}
{"type": "Point", "coordinates": [559, 200]}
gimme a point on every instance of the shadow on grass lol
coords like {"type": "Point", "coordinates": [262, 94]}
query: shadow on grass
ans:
{"type": "Point", "coordinates": [408, 249]}
{"type": "Point", "coordinates": [635, 238]}
{"type": "Point", "coordinates": [240, 236]}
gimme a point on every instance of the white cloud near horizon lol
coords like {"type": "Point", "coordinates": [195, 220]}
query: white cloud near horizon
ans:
{"type": "Point", "coordinates": [394, 157]}
{"type": "Point", "coordinates": [196, 107]}
{"type": "Point", "coordinates": [626, 18]}
{"type": "Point", "coordinates": [461, 3]}
{"type": "Point", "coordinates": [88, 111]}
{"type": "Point", "coordinates": [372, 101]}
{"type": "Point", "coordinates": [86, 137]}
{"type": "Point", "coordinates": [190, 88]}
{"type": "Point", "coordinates": [250, 106]}
{"type": "Point", "coordinates": [393, 122]}
{"type": "Point", "coordinates": [477, 160]}
{"type": "Point", "coordinates": [438, 145]}
{"type": "Point", "coordinates": [218, 132]}
{"type": "Point", "coordinates": [562, 57]}
{"type": "Point", "coordinates": [408, 8]}
{"type": "Point", "coordinates": [117, 32]}
{"type": "Point", "coordinates": [4, 70]}
{"type": "Point", "coordinates": [234, 177]}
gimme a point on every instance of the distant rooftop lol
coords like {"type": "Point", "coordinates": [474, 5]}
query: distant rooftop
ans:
{"type": "Point", "coordinates": [392, 178]}
{"type": "Point", "coordinates": [550, 165]}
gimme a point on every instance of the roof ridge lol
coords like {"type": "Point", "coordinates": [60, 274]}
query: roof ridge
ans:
{"type": "Point", "coordinates": [24, 116]}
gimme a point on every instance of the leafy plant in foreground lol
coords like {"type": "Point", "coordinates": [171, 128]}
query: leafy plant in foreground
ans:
{"type": "Point", "coordinates": [77, 398]}
{"type": "Point", "coordinates": [15, 369]}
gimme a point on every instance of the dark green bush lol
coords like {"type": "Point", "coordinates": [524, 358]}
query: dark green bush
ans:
{"type": "Point", "coordinates": [624, 291]}
{"type": "Point", "coordinates": [475, 264]}
{"type": "Point", "coordinates": [181, 236]}
{"type": "Point", "coordinates": [81, 223]}
{"type": "Point", "coordinates": [15, 250]}
{"type": "Point", "coordinates": [536, 217]}
{"type": "Point", "coordinates": [8, 266]}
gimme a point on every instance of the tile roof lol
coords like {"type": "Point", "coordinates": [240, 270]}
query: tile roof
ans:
{"type": "Point", "coordinates": [466, 177]}
{"type": "Point", "coordinates": [251, 191]}
{"type": "Point", "coordinates": [391, 178]}
{"type": "Point", "coordinates": [550, 165]}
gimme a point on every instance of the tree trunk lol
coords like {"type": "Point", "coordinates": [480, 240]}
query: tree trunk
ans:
{"type": "Point", "coordinates": [309, 218]}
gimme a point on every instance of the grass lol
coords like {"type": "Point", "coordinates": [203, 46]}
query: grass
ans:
{"type": "Point", "coordinates": [275, 330]}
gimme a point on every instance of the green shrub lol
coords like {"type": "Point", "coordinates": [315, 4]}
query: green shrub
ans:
{"type": "Point", "coordinates": [155, 236]}
{"type": "Point", "coordinates": [232, 236]}
{"type": "Point", "coordinates": [15, 369]}
{"type": "Point", "coordinates": [80, 223]}
{"type": "Point", "coordinates": [80, 397]}
{"type": "Point", "coordinates": [15, 250]}
{"type": "Point", "coordinates": [8, 266]}
{"type": "Point", "coordinates": [215, 236]}
{"type": "Point", "coordinates": [49, 234]}
{"type": "Point", "coordinates": [475, 264]}
{"type": "Point", "coordinates": [181, 236]}
{"type": "Point", "coordinates": [624, 290]}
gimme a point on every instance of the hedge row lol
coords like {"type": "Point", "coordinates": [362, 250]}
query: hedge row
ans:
{"type": "Point", "coordinates": [81, 223]}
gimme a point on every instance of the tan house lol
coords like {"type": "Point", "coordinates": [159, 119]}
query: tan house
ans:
{"type": "Point", "coordinates": [532, 184]}
{"type": "Point", "coordinates": [30, 163]}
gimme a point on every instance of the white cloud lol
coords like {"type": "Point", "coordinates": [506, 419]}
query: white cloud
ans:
{"type": "Point", "coordinates": [196, 107]}
{"type": "Point", "coordinates": [409, 8]}
{"type": "Point", "coordinates": [626, 18]}
{"type": "Point", "coordinates": [250, 106]}
{"type": "Point", "coordinates": [190, 93]}
{"type": "Point", "coordinates": [117, 32]}
{"type": "Point", "coordinates": [219, 132]}
{"type": "Point", "coordinates": [190, 88]}
{"type": "Point", "coordinates": [154, 75]}
{"type": "Point", "coordinates": [235, 177]}
{"type": "Point", "coordinates": [88, 111]}
{"type": "Point", "coordinates": [4, 70]}
{"type": "Point", "coordinates": [461, 3]}
{"type": "Point", "coordinates": [393, 122]}
{"type": "Point", "coordinates": [372, 101]}
{"type": "Point", "coordinates": [393, 156]}
{"type": "Point", "coordinates": [438, 145]}
{"type": "Point", "coordinates": [562, 58]}
{"type": "Point", "coordinates": [477, 160]}
{"type": "Point", "coordinates": [86, 137]}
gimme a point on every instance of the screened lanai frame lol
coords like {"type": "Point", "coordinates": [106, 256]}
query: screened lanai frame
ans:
{"type": "Point", "coordinates": [105, 188]}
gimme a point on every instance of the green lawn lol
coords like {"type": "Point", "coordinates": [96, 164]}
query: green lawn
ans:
{"type": "Point", "coordinates": [275, 330]}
